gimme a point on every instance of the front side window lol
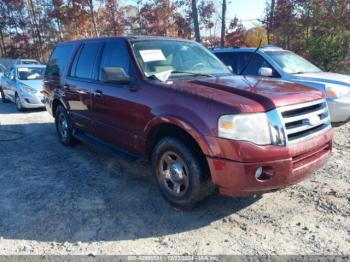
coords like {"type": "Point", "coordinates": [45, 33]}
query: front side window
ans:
{"type": "Point", "coordinates": [115, 55]}
{"type": "Point", "coordinates": [176, 59]}
{"type": "Point", "coordinates": [254, 62]}
{"type": "Point", "coordinates": [292, 63]}
{"type": "Point", "coordinates": [30, 73]}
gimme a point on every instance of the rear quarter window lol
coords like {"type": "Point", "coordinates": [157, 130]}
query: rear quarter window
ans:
{"type": "Point", "coordinates": [58, 60]}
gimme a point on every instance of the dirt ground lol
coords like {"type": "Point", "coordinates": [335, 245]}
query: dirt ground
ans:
{"type": "Point", "coordinates": [59, 200]}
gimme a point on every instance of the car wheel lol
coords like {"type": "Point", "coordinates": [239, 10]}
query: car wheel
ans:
{"type": "Point", "coordinates": [18, 102]}
{"type": "Point", "coordinates": [3, 99]}
{"type": "Point", "coordinates": [182, 178]}
{"type": "Point", "coordinates": [63, 126]}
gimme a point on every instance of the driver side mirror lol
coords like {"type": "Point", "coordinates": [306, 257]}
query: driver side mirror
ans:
{"type": "Point", "coordinates": [115, 75]}
{"type": "Point", "coordinates": [265, 71]}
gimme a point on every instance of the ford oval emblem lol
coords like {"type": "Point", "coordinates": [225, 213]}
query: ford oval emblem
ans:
{"type": "Point", "coordinates": [314, 120]}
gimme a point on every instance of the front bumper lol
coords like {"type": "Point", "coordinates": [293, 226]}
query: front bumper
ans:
{"type": "Point", "coordinates": [284, 166]}
{"type": "Point", "coordinates": [32, 100]}
{"type": "Point", "coordinates": [339, 109]}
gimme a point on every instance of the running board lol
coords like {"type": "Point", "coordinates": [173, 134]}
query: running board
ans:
{"type": "Point", "coordinates": [105, 147]}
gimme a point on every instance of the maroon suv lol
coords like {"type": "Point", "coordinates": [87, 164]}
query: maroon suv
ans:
{"type": "Point", "coordinates": [173, 102]}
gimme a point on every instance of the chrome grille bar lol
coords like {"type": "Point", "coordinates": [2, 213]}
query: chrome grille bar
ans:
{"type": "Point", "coordinates": [306, 120]}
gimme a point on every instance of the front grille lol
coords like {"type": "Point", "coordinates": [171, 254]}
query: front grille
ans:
{"type": "Point", "coordinates": [302, 121]}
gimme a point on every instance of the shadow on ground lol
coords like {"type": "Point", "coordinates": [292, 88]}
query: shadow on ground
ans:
{"type": "Point", "coordinates": [54, 193]}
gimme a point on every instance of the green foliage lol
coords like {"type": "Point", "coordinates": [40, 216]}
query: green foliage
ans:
{"type": "Point", "coordinates": [316, 29]}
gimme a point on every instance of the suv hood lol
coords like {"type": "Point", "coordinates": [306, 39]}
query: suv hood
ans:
{"type": "Point", "coordinates": [324, 78]}
{"type": "Point", "coordinates": [264, 91]}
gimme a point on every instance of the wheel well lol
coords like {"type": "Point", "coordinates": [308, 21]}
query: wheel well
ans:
{"type": "Point", "coordinates": [55, 104]}
{"type": "Point", "coordinates": [165, 130]}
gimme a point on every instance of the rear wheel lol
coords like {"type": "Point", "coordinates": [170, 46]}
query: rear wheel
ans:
{"type": "Point", "coordinates": [182, 177]}
{"type": "Point", "coordinates": [64, 126]}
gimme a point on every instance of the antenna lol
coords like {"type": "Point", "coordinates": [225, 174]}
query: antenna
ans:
{"type": "Point", "coordinates": [251, 58]}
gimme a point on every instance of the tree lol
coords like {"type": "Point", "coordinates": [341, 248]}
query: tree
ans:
{"type": "Point", "coordinates": [223, 24]}
{"type": "Point", "coordinates": [270, 18]}
{"type": "Point", "coordinates": [195, 21]}
{"type": "Point", "coordinates": [236, 34]}
{"type": "Point", "coordinates": [110, 18]}
{"type": "Point", "coordinates": [317, 29]}
{"type": "Point", "coordinates": [254, 35]}
{"type": "Point", "coordinates": [92, 17]}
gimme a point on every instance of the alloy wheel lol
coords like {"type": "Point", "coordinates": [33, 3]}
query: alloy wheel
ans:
{"type": "Point", "coordinates": [173, 174]}
{"type": "Point", "coordinates": [62, 125]}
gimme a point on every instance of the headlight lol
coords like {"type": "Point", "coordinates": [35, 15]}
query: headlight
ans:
{"type": "Point", "coordinates": [249, 127]}
{"type": "Point", "coordinates": [27, 89]}
{"type": "Point", "coordinates": [337, 91]}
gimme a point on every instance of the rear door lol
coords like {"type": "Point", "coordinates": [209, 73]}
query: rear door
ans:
{"type": "Point", "coordinates": [229, 59]}
{"type": "Point", "coordinates": [9, 84]}
{"type": "Point", "coordinates": [80, 82]}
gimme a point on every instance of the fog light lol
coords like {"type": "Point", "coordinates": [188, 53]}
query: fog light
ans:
{"type": "Point", "coordinates": [264, 173]}
{"type": "Point", "coordinates": [258, 173]}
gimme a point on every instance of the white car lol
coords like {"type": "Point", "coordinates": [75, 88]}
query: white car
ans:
{"type": "Point", "coordinates": [22, 84]}
{"type": "Point", "coordinates": [282, 64]}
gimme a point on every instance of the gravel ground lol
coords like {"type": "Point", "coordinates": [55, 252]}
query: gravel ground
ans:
{"type": "Point", "coordinates": [59, 200]}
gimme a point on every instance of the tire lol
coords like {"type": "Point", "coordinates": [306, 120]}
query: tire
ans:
{"type": "Point", "coordinates": [64, 126]}
{"type": "Point", "coordinates": [174, 163]}
{"type": "Point", "coordinates": [18, 103]}
{"type": "Point", "coordinates": [3, 99]}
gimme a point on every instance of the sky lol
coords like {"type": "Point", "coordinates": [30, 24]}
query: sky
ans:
{"type": "Point", "coordinates": [248, 11]}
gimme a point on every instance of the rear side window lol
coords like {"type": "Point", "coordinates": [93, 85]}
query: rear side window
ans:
{"type": "Point", "coordinates": [115, 54]}
{"type": "Point", "coordinates": [58, 60]}
{"type": "Point", "coordinates": [229, 59]}
{"type": "Point", "coordinates": [84, 63]}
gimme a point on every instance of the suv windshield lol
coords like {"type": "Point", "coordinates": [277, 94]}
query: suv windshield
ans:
{"type": "Point", "coordinates": [30, 73]}
{"type": "Point", "coordinates": [292, 63]}
{"type": "Point", "coordinates": [165, 59]}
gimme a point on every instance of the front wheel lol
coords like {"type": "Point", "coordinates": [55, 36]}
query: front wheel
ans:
{"type": "Point", "coordinates": [3, 98]}
{"type": "Point", "coordinates": [182, 177]}
{"type": "Point", "coordinates": [64, 126]}
{"type": "Point", "coordinates": [18, 102]}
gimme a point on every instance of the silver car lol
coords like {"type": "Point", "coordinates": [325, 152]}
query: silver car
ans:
{"type": "Point", "coordinates": [22, 84]}
{"type": "Point", "coordinates": [282, 64]}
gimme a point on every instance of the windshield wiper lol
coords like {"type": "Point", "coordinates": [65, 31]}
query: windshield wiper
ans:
{"type": "Point", "coordinates": [191, 73]}
{"type": "Point", "coordinates": [158, 76]}
{"type": "Point", "coordinates": [250, 58]}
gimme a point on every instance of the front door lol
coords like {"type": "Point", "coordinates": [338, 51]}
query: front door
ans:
{"type": "Point", "coordinates": [117, 114]}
